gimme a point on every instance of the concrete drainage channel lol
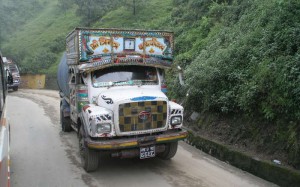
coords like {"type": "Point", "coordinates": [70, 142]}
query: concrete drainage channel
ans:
{"type": "Point", "coordinates": [279, 175]}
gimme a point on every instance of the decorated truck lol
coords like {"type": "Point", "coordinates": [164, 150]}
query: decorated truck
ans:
{"type": "Point", "coordinates": [113, 93]}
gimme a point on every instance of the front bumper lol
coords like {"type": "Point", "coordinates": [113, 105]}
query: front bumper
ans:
{"type": "Point", "coordinates": [13, 85]}
{"type": "Point", "coordinates": [115, 144]}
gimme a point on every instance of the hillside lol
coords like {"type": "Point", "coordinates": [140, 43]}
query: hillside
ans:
{"type": "Point", "coordinates": [40, 39]}
{"type": "Point", "coordinates": [243, 71]}
{"type": "Point", "coordinates": [240, 58]}
{"type": "Point", "coordinates": [39, 43]}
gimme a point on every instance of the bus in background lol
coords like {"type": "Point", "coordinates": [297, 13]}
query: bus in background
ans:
{"type": "Point", "coordinates": [4, 130]}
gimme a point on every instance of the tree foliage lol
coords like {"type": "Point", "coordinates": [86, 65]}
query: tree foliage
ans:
{"type": "Point", "coordinates": [14, 14]}
{"type": "Point", "coordinates": [93, 10]}
{"type": "Point", "coordinates": [250, 64]}
{"type": "Point", "coordinates": [242, 58]}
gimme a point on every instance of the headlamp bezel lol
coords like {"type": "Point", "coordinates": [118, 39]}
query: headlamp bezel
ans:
{"type": "Point", "coordinates": [106, 128]}
{"type": "Point", "coordinates": [173, 122]}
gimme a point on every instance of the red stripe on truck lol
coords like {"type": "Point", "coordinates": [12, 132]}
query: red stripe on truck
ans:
{"type": "Point", "coordinates": [3, 122]}
{"type": "Point", "coordinates": [4, 173]}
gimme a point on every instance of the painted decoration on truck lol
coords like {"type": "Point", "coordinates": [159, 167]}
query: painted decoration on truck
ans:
{"type": "Point", "coordinates": [105, 46]}
{"type": "Point", "coordinates": [152, 46]}
{"type": "Point", "coordinates": [117, 46]}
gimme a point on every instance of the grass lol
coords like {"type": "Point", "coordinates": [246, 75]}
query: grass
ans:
{"type": "Point", "coordinates": [52, 23]}
{"type": "Point", "coordinates": [149, 16]}
{"type": "Point", "coordinates": [39, 32]}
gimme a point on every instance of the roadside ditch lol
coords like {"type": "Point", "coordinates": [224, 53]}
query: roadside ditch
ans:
{"type": "Point", "coordinates": [278, 174]}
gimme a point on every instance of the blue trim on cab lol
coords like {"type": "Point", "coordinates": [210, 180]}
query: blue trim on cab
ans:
{"type": "Point", "coordinates": [143, 98]}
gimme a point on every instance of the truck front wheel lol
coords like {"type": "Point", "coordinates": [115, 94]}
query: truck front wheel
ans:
{"type": "Point", "coordinates": [89, 157]}
{"type": "Point", "coordinates": [65, 122]}
{"type": "Point", "coordinates": [170, 151]}
{"type": "Point", "coordinates": [15, 88]}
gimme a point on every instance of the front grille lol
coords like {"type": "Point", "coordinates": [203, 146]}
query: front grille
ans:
{"type": "Point", "coordinates": [140, 116]}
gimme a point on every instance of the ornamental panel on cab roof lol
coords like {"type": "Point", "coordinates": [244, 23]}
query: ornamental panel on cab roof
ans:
{"type": "Point", "coordinates": [99, 48]}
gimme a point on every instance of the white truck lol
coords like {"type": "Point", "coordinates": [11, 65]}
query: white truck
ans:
{"type": "Point", "coordinates": [13, 74]}
{"type": "Point", "coordinates": [112, 87]}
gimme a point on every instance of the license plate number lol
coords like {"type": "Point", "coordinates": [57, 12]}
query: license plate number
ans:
{"type": "Point", "coordinates": [147, 152]}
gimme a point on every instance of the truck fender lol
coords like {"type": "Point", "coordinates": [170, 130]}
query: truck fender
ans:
{"type": "Point", "coordinates": [65, 107]}
{"type": "Point", "coordinates": [92, 115]}
{"type": "Point", "coordinates": [81, 122]}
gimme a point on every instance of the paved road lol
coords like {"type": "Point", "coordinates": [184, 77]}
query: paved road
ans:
{"type": "Point", "coordinates": [42, 155]}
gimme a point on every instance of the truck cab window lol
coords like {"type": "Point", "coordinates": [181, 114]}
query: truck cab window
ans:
{"type": "Point", "coordinates": [125, 75]}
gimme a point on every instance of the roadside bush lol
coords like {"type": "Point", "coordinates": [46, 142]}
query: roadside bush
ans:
{"type": "Point", "coordinates": [249, 66]}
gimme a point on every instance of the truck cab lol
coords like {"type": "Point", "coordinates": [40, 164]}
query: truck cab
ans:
{"type": "Point", "coordinates": [114, 96]}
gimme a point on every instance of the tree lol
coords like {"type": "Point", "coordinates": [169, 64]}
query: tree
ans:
{"type": "Point", "coordinates": [64, 5]}
{"type": "Point", "coordinates": [92, 10]}
{"type": "Point", "coordinates": [134, 5]}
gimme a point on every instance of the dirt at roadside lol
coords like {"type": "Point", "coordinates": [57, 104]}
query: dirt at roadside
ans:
{"type": "Point", "coordinates": [49, 93]}
{"type": "Point", "coordinates": [237, 138]}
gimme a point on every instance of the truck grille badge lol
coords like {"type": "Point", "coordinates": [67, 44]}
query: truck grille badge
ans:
{"type": "Point", "coordinates": [144, 115]}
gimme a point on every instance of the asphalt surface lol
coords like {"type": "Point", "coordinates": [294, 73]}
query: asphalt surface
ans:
{"type": "Point", "coordinates": [42, 155]}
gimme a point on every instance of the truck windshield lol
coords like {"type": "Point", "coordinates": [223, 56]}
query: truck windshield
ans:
{"type": "Point", "coordinates": [125, 75]}
{"type": "Point", "coordinates": [13, 68]}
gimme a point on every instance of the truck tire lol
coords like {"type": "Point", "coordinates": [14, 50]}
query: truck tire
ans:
{"type": "Point", "coordinates": [170, 151]}
{"type": "Point", "coordinates": [89, 157]}
{"type": "Point", "coordinates": [65, 123]}
{"type": "Point", "coordinates": [15, 88]}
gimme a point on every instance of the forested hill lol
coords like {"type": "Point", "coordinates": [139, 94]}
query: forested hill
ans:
{"type": "Point", "coordinates": [241, 58]}
{"type": "Point", "coordinates": [33, 31]}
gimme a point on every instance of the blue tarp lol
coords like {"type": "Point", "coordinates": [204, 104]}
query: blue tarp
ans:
{"type": "Point", "coordinates": [63, 76]}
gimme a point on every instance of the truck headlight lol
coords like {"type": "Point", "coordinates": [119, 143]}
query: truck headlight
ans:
{"type": "Point", "coordinates": [176, 120]}
{"type": "Point", "coordinates": [103, 128]}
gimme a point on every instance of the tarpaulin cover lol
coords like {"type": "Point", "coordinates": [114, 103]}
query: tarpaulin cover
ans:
{"type": "Point", "coordinates": [62, 75]}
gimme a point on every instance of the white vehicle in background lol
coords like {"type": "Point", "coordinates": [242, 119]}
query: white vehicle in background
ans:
{"type": "Point", "coordinates": [13, 74]}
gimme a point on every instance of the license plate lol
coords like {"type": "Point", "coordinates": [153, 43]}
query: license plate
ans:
{"type": "Point", "coordinates": [147, 152]}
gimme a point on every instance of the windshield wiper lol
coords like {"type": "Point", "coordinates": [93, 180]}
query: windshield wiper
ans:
{"type": "Point", "coordinates": [149, 81]}
{"type": "Point", "coordinates": [131, 82]}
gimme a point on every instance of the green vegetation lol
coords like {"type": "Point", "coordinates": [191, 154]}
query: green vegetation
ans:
{"type": "Point", "coordinates": [149, 15]}
{"type": "Point", "coordinates": [241, 58]}
{"type": "Point", "coordinates": [38, 44]}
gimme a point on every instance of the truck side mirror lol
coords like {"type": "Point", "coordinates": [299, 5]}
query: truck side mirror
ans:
{"type": "Point", "coordinates": [180, 75]}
